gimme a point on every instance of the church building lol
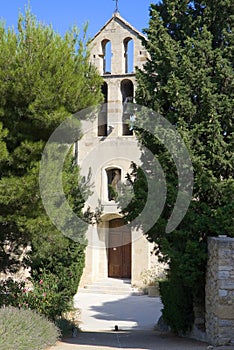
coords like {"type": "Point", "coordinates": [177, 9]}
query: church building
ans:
{"type": "Point", "coordinates": [107, 148]}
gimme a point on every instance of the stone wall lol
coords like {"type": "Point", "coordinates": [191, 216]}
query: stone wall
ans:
{"type": "Point", "coordinates": [220, 291]}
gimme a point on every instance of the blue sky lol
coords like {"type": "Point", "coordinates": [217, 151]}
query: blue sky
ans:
{"type": "Point", "coordinates": [62, 14]}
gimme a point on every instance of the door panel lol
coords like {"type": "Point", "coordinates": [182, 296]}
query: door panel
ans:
{"type": "Point", "coordinates": [115, 256]}
{"type": "Point", "coordinates": [119, 257]}
{"type": "Point", "coordinates": [126, 261]}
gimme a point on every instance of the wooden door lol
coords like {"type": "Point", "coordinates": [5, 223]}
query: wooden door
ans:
{"type": "Point", "coordinates": [119, 257]}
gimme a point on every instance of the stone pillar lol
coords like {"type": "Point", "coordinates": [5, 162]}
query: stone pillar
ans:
{"type": "Point", "coordinates": [140, 257]}
{"type": "Point", "coordinates": [92, 252]}
{"type": "Point", "coordinates": [220, 291]}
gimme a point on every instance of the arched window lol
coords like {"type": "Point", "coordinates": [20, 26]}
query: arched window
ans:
{"type": "Point", "coordinates": [129, 55]}
{"type": "Point", "coordinates": [127, 90]}
{"type": "Point", "coordinates": [102, 115]}
{"type": "Point", "coordinates": [113, 182]}
{"type": "Point", "coordinates": [106, 53]}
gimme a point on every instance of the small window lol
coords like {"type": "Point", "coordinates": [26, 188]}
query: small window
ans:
{"type": "Point", "coordinates": [113, 183]}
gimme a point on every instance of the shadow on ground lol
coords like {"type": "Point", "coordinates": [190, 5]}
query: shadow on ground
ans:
{"type": "Point", "coordinates": [135, 316]}
{"type": "Point", "coordinates": [137, 340]}
{"type": "Point", "coordinates": [104, 312]}
{"type": "Point", "coordinates": [141, 312]}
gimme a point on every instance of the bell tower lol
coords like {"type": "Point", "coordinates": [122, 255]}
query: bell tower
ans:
{"type": "Point", "coordinates": [108, 147]}
{"type": "Point", "coordinates": [116, 50]}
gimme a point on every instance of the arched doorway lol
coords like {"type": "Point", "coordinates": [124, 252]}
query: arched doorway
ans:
{"type": "Point", "coordinates": [120, 250]}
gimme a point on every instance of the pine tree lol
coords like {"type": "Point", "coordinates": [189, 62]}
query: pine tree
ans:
{"type": "Point", "coordinates": [44, 78]}
{"type": "Point", "coordinates": [189, 80]}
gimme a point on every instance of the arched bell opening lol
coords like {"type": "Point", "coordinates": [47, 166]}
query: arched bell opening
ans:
{"type": "Point", "coordinates": [128, 55]}
{"type": "Point", "coordinates": [107, 55]}
{"type": "Point", "coordinates": [127, 91]}
{"type": "Point", "coordinates": [102, 115]}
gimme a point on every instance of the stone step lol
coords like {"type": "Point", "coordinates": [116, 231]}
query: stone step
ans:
{"type": "Point", "coordinates": [110, 286]}
{"type": "Point", "coordinates": [112, 292]}
{"type": "Point", "coordinates": [107, 288]}
{"type": "Point", "coordinates": [115, 281]}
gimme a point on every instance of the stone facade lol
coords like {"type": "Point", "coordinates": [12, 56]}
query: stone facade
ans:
{"type": "Point", "coordinates": [220, 291]}
{"type": "Point", "coordinates": [117, 31]}
{"type": "Point", "coordinates": [108, 145]}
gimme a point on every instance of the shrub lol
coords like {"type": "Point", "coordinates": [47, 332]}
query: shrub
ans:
{"type": "Point", "coordinates": [45, 295]}
{"type": "Point", "coordinates": [178, 305]}
{"type": "Point", "coordinates": [25, 330]}
{"type": "Point", "coordinates": [10, 292]}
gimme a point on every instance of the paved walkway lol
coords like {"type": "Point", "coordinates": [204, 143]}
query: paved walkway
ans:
{"type": "Point", "coordinates": [101, 312]}
{"type": "Point", "coordinates": [135, 317]}
{"type": "Point", "coordinates": [137, 340]}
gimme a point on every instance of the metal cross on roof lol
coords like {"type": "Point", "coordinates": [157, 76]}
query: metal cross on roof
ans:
{"type": "Point", "coordinates": [116, 7]}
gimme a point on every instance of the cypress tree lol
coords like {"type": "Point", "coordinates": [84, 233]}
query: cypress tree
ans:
{"type": "Point", "coordinates": [189, 80]}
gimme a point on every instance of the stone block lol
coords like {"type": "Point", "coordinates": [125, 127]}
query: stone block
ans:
{"type": "Point", "coordinates": [223, 274]}
{"type": "Point", "coordinates": [220, 290]}
{"type": "Point", "coordinates": [225, 323]}
{"type": "Point", "coordinates": [223, 293]}
{"type": "Point", "coordinates": [225, 312]}
{"type": "Point", "coordinates": [225, 267]}
{"type": "Point", "coordinates": [226, 284]}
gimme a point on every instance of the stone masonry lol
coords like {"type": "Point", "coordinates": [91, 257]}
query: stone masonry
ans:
{"type": "Point", "coordinates": [220, 291]}
{"type": "Point", "coordinates": [109, 146]}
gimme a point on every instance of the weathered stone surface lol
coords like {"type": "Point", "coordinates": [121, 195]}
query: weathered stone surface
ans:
{"type": "Point", "coordinates": [220, 291]}
{"type": "Point", "coordinates": [225, 268]}
{"type": "Point", "coordinates": [225, 312]}
{"type": "Point", "coordinates": [223, 274]}
{"type": "Point", "coordinates": [226, 323]}
{"type": "Point", "coordinates": [227, 284]}
{"type": "Point", "coordinates": [223, 293]}
{"type": "Point", "coordinates": [107, 145]}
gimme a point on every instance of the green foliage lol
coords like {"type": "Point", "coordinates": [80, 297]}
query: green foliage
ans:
{"type": "Point", "coordinates": [48, 295]}
{"type": "Point", "coordinates": [44, 78]}
{"type": "Point", "coordinates": [66, 327]}
{"type": "Point", "coordinates": [3, 148]}
{"type": "Point", "coordinates": [177, 305]}
{"type": "Point", "coordinates": [25, 330]}
{"type": "Point", "coordinates": [10, 292]}
{"type": "Point", "coordinates": [113, 194]}
{"type": "Point", "coordinates": [189, 80]}
{"type": "Point", "coordinates": [134, 194]}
